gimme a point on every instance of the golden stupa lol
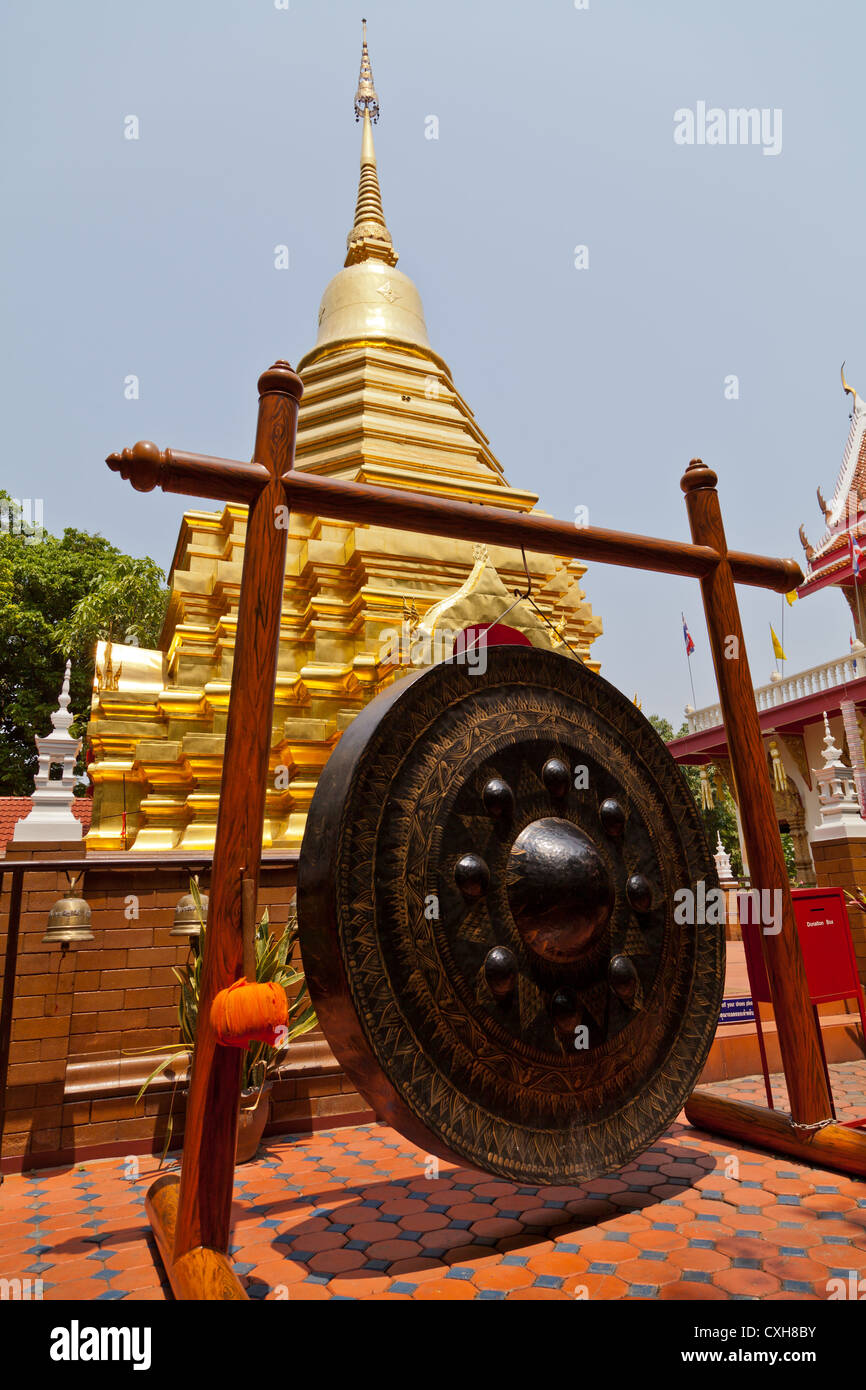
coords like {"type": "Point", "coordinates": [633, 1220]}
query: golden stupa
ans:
{"type": "Point", "coordinates": [379, 406]}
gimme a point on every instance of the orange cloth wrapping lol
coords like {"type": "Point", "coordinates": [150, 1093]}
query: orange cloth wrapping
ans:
{"type": "Point", "coordinates": [246, 1013]}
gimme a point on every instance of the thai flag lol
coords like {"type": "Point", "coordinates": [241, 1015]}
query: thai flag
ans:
{"type": "Point", "coordinates": [687, 638]}
{"type": "Point", "coordinates": [856, 554]}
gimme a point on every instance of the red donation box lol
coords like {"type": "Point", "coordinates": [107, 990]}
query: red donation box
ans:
{"type": "Point", "coordinates": [821, 915]}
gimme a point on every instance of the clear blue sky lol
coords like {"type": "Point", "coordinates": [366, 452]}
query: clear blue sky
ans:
{"type": "Point", "coordinates": [155, 257]}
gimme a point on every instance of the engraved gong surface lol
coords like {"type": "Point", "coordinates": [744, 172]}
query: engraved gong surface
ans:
{"type": "Point", "coordinates": [490, 945]}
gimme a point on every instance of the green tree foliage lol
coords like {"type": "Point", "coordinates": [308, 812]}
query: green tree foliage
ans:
{"type": "Point", "coordinates": [721, 820]}
{"type": "Point", "coordinates": [58, 596]}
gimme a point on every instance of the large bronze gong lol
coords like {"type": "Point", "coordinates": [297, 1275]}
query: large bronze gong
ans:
{"type": "Point", "coordinates": [487, 918]}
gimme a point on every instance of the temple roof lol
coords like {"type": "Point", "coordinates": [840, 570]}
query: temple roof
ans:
{"type": "Point", "coordinates": [830, 559]}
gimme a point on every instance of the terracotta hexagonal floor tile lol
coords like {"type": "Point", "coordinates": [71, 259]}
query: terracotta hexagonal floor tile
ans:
{"type": "Point", "coordinates": [598, 1287]}
{"type": "Point", "coordinates": [446, 1290]}
{"type": "Point", "coordinates": [336, 1261]}
{"type": "Point", "coordinates": [668, 1214]}
{"type": "Point", "coordinates": [688, 1292]}
{"type": "Point", "coordinates": [788, 1297]}
{"type": "Point", "coordinates": [682, 1170]}
{"type": "Point", "coordinates": [565, 1194]}
{"type": "Point", "coordinates": [471, 1256]}
{"type": "Point", "coordinates": [829, 1201]}
{"type": "Point", "coordinates": [275, 1271]}
{"type": "Point", "coordinates": [632, 1201]}
{"type": "Point", "coordinates": [642, 1271]}
{"type": "Point", "coordinates": [842, 1226]}
{"type": "Point", "coordinates": [799, 1237]}
{"type": "Point", "coordinates": [626, 1221]}
{"type": "Point", "coordinates": [744, 1248]}
{"type": "Point", "coordinates": [345, 1286]}
{"type": "Point", "coordinates": [702, 1207]}
{"type": "Point", "coordinates": [706, 1230]}
{"type": "Point", "coordinates": [503, 1277]}
{"type": "Point", "coordinates": [527, 1245]}
{"type": "Point", "coordinates": [314, 1225]}
{"type": "Point", "coordinates": [372, 1230]}
{"type": "Point", "coordinates": [699, 1259]}
{"type": "Point", "coordinates": [559, 1263]}
{"type": "Point", "coordinates": [84, 1289]}
{"type": "Point", "coordinates": [381, 1192]}
{"type": "Point", "coordinates": [792, 1186]}
{"type": "Point", "coordinates": [322, 1240]}
{"type": "Point", "coordinates": [497, 1226]}
{"type": "Point", "coordinates": [660, 1240]}
{"type": "Point", "coordinates": [308, 1293]}
{"type": "Point", "coordinates": [390, 1250]}
{"type": "Point", "coordinates": [753, 1283]}
{"type": "Point", "coordinates": [416, 1269]}
{"type": "Point", "coordinates": [748, 1221]}
{"type": "Point", "coordinates": [469, 1211]}
{"type": "Point", "coordinates": [663, 1190]}
{"type": "Point", "coordinates": [589, 1211]}
{"type": "Point", "coordinates": [545, 1217]}
{"type": "Point", "coordinates": [800, 1267]}
{"type": "Point", "coordinates": [438, 1240]}
{"type": "Point", "coordinates": [515, 1203]}
{"type": "Point", "coordinates": [494, 1188]}
{"type": "Point", "coordinates": [749, 1197]}
{"type": "Point", "coordinates": [839, 1257]}
{"type": "Point", "coordinates": [423, 1220]}
{"type": "Point", "coordinates": [607, 1252]}
{"type": "Point", "coordinates": [538, 1295]}
{"type": "Point", "coordinates": [433, 1188]}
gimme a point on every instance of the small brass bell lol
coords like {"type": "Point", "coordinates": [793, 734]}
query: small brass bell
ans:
{"type": "Point", "coordinates": [69, 919]}
{"type": "Point", "coordinates": [186, 919]}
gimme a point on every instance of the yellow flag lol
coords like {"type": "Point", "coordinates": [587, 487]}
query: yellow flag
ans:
{"type": "Point", "coordinates": [777, 646]}
{"type": "Point", "coordinates": [792, 596]}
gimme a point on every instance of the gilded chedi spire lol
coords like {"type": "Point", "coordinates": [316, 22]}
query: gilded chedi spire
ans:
{"type": "Point", "coordinates": [365, 97]}
{"type": "Point", "coordinates": [369, 238]}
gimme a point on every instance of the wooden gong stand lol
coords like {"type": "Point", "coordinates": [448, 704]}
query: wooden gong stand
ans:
{"type": "Point", "coordinates": [190, 1216]}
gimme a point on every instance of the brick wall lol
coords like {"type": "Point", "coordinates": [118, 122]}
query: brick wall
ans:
{"type": "Point", "coordinates": [82, 1016]}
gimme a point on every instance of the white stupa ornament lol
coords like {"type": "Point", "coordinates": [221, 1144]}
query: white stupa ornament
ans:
{"type": "Point", "coordinates": [722, 862]}
{"type": "Point", "coordinates": [50, 820]}
{"type": "Point", "coordinates": [840, 809]}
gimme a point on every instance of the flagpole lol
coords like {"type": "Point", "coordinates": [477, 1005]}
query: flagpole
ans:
{"type": "Point", "coordinates": [689, 660]}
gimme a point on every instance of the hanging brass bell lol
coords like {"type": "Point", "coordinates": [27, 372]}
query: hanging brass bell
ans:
{"type": "Point", "coordinates": [68, 920]}
{"type": "Point", "coordinates": [186, 919]}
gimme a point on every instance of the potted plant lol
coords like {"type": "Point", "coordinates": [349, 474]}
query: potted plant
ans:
{"type": "Point", "coordinates": [260, 1063]}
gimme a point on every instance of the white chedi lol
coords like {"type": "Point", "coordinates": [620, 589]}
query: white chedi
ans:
{"type": "Point", "coordinates": [50, 819]}
{"type": "Point", "coordinates": [840, 809]}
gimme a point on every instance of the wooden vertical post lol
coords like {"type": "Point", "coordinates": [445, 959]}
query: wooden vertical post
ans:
{"type": "Point", "coordinates": [204, 1205]}
{"type": "Point", "coordinates": [795, 1020]}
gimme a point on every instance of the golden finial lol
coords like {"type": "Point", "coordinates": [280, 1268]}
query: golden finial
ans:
{"type": "Point", "coordinates": [365, 97]}
{"type": "Point", "coordinates": [369, 238]}
{"type": "Point", "coordinates": [849, 390]}
{"type": "Point", "coordinates": [410, 614]}
{"type": "Point", "coordinates": [108, 678]}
